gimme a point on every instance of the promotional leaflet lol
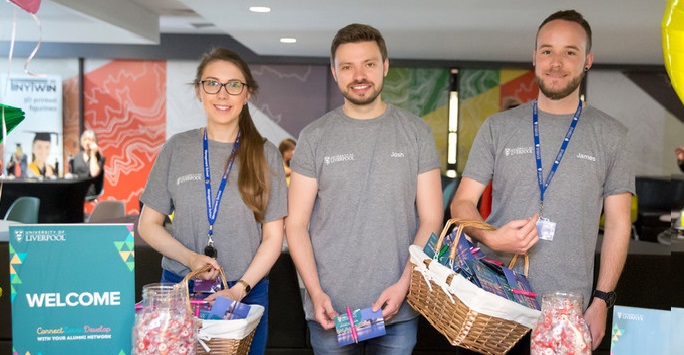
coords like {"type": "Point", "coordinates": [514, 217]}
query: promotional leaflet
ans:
{"type": "Point", "coordinates": [72, 288]}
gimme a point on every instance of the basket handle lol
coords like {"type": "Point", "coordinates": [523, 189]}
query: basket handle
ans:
{"type": "Point", "coordinates": [511, 265]}
{"type": "Point", "coordinates": [192, 274]}
{"type": "Point", "coordinates": [462, 223]}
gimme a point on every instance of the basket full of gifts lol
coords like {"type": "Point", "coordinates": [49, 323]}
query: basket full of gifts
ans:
{"type": "Point", "coordinates": [474, 301]}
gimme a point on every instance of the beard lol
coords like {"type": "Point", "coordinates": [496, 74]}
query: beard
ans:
{"type": "Point", "coordinates": [561, 93]}
{"type": "Point", "coordinates": [362, 100]}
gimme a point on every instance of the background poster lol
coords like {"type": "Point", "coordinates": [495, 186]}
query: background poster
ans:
{"type": "Point", "coordinates": [72, 288]}
{"type": "Point", "coordinates": [41, 100]}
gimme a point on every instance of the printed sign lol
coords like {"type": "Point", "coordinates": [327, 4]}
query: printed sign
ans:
{"type": "Point", "coordinates": [640, 331]}
{"type": "Point", "coordinates": [72, 288]}
{"type": "Point", "coordinates": [41, 100]}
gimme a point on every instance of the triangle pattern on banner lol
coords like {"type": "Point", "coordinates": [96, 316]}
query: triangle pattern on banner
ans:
{"type": "Point", "coordinates": [18, 258]}
{"type": "Point", "coordinates": [14, 279]}
{"type": "Point", "coordinates": [131, 265]}
{"type": "Point", "coordinates": [118, 245]}
{"type": "Point", "coordinates": [124, 255]}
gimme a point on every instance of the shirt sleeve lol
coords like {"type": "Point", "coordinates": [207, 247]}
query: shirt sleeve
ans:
{"type": "Point", "coordinates": [620, 174]}
{"type": "Point", "coordinates": [480, 164]}
{"type": "Point", "coordinates": [156, 194]}
{"type": "Point", "coordinates": [304, 159]}
{"type": "Point", "coordinates": [429, 158]}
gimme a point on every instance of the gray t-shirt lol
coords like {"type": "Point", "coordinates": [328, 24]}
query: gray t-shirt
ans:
{"type": "Point", "coordinates": [176, 184]}
{"type": "Point", "coordinates": [365, 216]}
{"type": "Point", "coordinates": [596, 165]}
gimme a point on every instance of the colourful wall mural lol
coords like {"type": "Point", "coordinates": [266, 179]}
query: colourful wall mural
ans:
{"type": "Point", "coordinates": [482, 93]}
{"type": "Point", "coordinates": [125, 104]}
{"type": "Point", "coordinates": [425, 92]}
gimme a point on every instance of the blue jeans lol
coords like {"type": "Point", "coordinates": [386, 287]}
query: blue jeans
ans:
{"type": "Point", "coordinates": [399, 340]}
{"type": "Point", "coordinates": [258, 295]}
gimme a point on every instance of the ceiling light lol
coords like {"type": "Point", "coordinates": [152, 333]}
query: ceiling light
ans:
{"type": "Point", "coordinates": [260, 9]}
{"type": "Point", "coordinates": [288, 40]}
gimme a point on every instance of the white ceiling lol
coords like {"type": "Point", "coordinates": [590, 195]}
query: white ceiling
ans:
{"type": "Point", "coordinates": [625, 31]}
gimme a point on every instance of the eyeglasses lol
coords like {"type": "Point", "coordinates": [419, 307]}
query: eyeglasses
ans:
{"type": "Point", "coordinates": [233, 87]}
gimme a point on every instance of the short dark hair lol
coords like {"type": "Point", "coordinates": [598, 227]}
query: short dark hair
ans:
{"type": "Point", "coordinates": [355, 33]}
{"type": "Point", "coordinates": [570, 16]}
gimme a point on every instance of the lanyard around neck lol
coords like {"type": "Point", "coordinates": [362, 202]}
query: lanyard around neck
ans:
{"type": "Point", "coordinates": [537, 149]}
{"type": "Point", "coordinates": [212, 211]}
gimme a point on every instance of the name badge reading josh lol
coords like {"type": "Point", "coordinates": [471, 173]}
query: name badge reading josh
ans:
{"type": "Point", "coordinates": [545, 228]}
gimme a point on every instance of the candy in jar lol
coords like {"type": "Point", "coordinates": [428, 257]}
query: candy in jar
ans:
{"type": "Point", "coordinates": [164, 325]}
{"type": "Point", "coordinates": [561, 329]}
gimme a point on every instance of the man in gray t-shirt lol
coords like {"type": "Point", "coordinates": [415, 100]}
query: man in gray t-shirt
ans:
{"type": "Point", "coordinates": [365, 185]}
{"type": "Point", "coordinates": [592, 172]}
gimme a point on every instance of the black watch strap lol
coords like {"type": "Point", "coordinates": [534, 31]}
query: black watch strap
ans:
{"type": "Point", "coordinates": [608, 297]}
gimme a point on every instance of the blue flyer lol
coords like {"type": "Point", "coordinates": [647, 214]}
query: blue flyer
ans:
{"type": "Point", "coordinates": [366, 325]}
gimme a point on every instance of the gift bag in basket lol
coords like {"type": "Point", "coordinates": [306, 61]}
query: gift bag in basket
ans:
{"type": "Point", "coordinates": [464, 313]}
{"type": "Point", "coordinates": [221, 336]}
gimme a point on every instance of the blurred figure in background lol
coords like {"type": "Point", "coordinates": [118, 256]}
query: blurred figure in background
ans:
{"type": "Point", "coordinates": [679, 153]}
{"type": "Point", "coordinates": [89, 163]}
{"type": "Point", "coordinates": [17, 165]}
{"type": "Point", "coordinates": [287, 148]}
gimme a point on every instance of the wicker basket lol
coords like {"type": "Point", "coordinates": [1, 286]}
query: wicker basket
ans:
{"type": "Point", "coordinates": [465, 314]}
{"type": "Point", "coordinates": [221, 345]}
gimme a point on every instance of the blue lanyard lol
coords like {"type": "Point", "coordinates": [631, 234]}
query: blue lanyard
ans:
{"type": "Point", "coordinates": [212, 211]}
{"type": "Point", "coordinates": [537, 150]}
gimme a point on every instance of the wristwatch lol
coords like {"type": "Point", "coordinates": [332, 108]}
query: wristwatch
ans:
{"type": "Point", "coordinates": [245, 285]}
{"type": "Point", "coordinates": [608, 297]}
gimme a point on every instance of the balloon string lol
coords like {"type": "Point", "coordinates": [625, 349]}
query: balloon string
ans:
{"type": "Point", "coordinates": [35, 50]}
{"type": "Point", "coordinates": [11, 51]}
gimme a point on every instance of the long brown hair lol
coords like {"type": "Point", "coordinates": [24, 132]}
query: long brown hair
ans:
{"type": "Point", "coordinates": [254, 175]}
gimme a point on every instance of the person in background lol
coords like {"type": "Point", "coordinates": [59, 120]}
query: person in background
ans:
{"type": "Point", "coordinates": [17, 166]}
{"type": "Point", "coordinates": [40, 152]}
{"type": "Point", "coordinates": [89, 163]}
{"type": "Point", "coordinates": [679, 153]}
{"type": "Point", "coordinates": [372, 171]}
{"type": "Point", "coordinates": [287, 149]}
{"type": "Point", "coordinates": [594, 173]}
{"type": "Point", "coordinates": [230, 169]}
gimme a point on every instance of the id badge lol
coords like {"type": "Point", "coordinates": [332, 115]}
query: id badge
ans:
{"type": "Point", "coordinates": [545, 228]}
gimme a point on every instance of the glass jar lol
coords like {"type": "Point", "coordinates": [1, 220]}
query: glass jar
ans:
{"type": "Point", "coordinates": [561, 329]}
{"type": "Point", "coordinates": [164, 325]}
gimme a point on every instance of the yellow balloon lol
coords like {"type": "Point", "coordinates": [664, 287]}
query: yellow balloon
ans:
{"type": "Point", "coordinates": [673, 44]}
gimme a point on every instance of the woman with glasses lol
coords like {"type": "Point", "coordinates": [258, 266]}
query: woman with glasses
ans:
{"type": "Point", "coordinates": [226, 186]}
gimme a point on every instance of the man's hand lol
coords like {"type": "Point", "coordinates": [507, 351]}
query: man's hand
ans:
{"type": "Point", "coordinates": [323, 310]}
{"type": "Point", "coordinates": [391, 298]}
{"type": "Point", "coordinates": [516, 236]}
{"type": "Point", "coordinates": [595, 316]}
